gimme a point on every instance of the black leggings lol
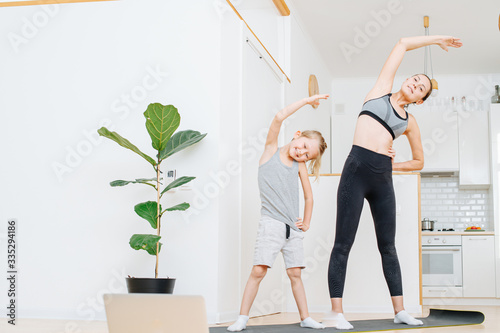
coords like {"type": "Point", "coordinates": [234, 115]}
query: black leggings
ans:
{"type": "Point", "coordinates": [366, 174]}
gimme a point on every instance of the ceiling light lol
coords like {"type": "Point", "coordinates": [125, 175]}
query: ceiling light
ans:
{"type": "Point", "coordinates": [428, 58]}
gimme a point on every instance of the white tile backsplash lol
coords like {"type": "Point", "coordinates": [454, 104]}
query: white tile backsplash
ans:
{"type": "Point", "coordinates": [452, 207]}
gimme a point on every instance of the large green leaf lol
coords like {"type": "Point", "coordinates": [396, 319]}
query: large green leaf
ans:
{"type": "Point", "coordinates": [161, 123]}
{"type": "Point", "coordinates": [146, 181]}
{"type": "Point", "coordinates": [182, 206]}
{"type": "Point", "coordinates": [103, 131]}
{"type": "Point", "coordinates": [179, 141]}
{"type": "Point", "coordinates": [148, 211]}
{"type": "Point", "coordinates": [178, 182]}
{"type": "Point", "coordinates": [145, 242]}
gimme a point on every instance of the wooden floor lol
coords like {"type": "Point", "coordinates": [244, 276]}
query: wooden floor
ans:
{"type": "Point", "coordinates": [490, 325]}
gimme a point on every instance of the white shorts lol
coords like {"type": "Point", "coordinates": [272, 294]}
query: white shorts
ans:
{"type": "Point", "coordinates": [271, 239]}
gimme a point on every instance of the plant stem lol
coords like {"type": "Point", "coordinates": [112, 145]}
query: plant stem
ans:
{"type": "Point", "coordinates": [158, 218]}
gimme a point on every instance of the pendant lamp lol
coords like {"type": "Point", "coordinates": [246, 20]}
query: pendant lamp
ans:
{"type": "Point", "coordinates": [428, 59]}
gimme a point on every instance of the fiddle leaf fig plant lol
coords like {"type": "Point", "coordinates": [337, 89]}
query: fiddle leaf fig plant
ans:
{"type": "Point", "coordinates": [162, 122]}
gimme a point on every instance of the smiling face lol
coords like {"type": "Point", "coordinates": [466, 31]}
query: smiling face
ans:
{"type": "Point", "coordinates": [416, 88]}
{"type": "Point", "coordinates": [303, 149]}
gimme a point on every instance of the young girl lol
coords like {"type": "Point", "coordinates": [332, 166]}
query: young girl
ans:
{"type": "Point", "coordinates": [280, 229]}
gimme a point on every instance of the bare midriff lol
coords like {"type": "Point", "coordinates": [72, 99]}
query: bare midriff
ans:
{"type": "Point", "coordinates": [370, 134]}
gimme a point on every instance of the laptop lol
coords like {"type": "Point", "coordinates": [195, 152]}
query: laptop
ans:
{"type": "Point", "coordinates": [155, 313]}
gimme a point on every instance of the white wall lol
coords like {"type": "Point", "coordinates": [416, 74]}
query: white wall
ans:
{"type": "Point", "coordinates": [100, 64]}
{"type": "Point", "coordinates": [241, 149]}
{"type": "Point", "coordinates": [59, 88]}
{"type": "Point", "coordinates": [495, 181]}
{"type": "Point", "coordinates": [95, 64]}
{"type": "Point", "coordinates": [262, 99]}
{"type": "Point", "coordinates": [287, 43]}
{"type": "Point", "coordinates": [229, 172]}
{"type": "Point", "coordinates": [304, 61]}
{"type": "Point", "coordinates": [265, 21]}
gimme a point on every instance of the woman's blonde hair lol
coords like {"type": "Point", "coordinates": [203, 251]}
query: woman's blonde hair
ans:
{"type": "Point", "coordinates": [315, 164]}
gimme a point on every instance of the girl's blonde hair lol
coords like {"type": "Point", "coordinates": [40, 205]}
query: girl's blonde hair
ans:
{"type": "Point", "coordinates": [315, 164]}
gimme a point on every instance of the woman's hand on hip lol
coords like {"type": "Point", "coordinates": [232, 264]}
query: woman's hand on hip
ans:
{"type": "Point", "coordinates": [391, 153]}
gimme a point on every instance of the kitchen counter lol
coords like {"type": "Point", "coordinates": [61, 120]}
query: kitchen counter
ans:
{"type": "Point", "coordinates": [457, 233]}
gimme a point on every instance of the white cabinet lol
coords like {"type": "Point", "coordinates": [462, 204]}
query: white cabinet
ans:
{"type": "Point", "coordinates": [439, 132]}
{"type": "Point", "coordinates": [478, 256]}
{"type": "Point", "coordinates": [440, 292]}
{"type": "Point", "coordinates": [474, 152]}
{"type": "Point", "coordinates": [495, 176]}
{"type": "Point", "coordinates": [453, 141]}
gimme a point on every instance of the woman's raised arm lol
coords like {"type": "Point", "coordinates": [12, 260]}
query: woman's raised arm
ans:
{"type": "Point", "coordinates": [384, 82]}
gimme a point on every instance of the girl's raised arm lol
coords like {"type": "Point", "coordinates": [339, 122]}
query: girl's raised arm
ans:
{"type": "Point", "coordinates": [386, 77]}
{"type": "Point", "coordinates": [274, 129]}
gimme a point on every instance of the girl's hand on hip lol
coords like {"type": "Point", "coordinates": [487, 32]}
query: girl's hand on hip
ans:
{"type": "Point", "coordinates": [314, 100]}
{"type": "Point", "coordinates": [301, 225]}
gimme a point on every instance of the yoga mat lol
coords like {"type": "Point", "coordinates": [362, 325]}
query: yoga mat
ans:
{"type": "Point", "coordinates": [436, 318]}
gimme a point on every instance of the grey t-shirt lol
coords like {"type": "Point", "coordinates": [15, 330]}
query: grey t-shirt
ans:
{"type": "Point", "coordinates": [279, 190]}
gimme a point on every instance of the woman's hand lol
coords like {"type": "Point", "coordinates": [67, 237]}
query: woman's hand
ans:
{"type": "Point", "coordinates": [314, 100]}
{"type": "Point", "coordinates": [391, 153]}
{"type": "Point", "coordinates": [301, 225]}
{"type": "Point", "coordinates": [449, 41]}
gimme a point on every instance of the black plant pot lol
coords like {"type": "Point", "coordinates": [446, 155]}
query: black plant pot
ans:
{"type": "Point", "coordinates": [150, 285]}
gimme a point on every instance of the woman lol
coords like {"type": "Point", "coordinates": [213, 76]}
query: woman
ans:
{"type": "Point", "coordinates": [367, 173]}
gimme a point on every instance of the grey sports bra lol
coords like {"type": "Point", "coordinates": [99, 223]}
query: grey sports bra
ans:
{"type": "Point", "coordinates": [382, 110]}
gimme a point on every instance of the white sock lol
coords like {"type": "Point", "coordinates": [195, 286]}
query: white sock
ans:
{"type": "Point", "coordinates": [402, 317]}
{"type": "Point", "coordinates": [311, 323]}
{"type": "Point", "coordinates": [334, 319]}
{"type": "Point", "coordinates": [342, 323]}
{"type": "Point", "coordinates": [239, 325]}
